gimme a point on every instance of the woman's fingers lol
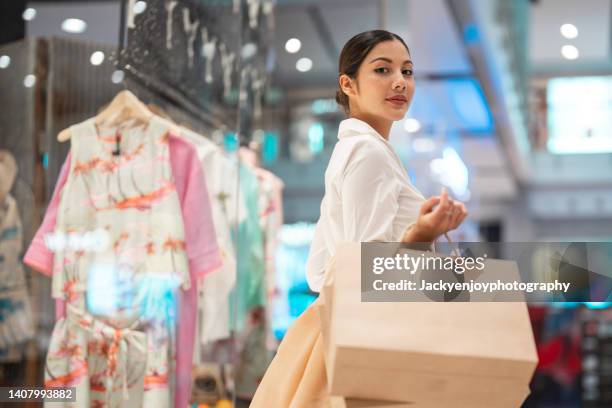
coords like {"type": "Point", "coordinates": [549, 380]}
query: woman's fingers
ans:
{"type": "Point", "coordinates": [464, 213]}
{"type": "Point", "coordinates": [459, 214]}
{"type": "Point", "coordinates": [444, 197]}
{"type": "Point", "coordinates": [447, 215]}
{"type": "Point", "coordinates": [428, 205]}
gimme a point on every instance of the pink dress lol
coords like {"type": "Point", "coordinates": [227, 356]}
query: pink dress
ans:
{"type": "Point", "coordinates": [201, 247]}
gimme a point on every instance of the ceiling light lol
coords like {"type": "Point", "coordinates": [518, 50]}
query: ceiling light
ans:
{"type": "Point", "coordinates": [117, 76]}
{"type": "Point", "coordinates": [411, 125]}
{"type": "Point", "coordinates": [29, 81]}
{"type": "Point", "coordinates": [97, 58]}
{"type": "Point", "coordinates": [29, 14]}
{"type": "Point", "coordinates": [74, 25]}
{"type": "Point", "coordinates": [5, 61]}
{"type": "Point", "coordinates": [569, 31]}
{"type": "Point", "coordinates": [569, 52]}
{"type": "Point", "coordinates": [303, 64]}
{"type": "Point", "coordinates": [293, 45]}
{"type": "Point", "coordinates": [140, 7]}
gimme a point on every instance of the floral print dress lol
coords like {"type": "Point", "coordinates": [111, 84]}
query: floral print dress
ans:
{"type": "Point", "coordinates": [119, 262]}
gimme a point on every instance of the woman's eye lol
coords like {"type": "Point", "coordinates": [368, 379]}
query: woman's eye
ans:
{"type": "Point", "coordinates": [382, 70]}
{"type": "Point", "coordinates": [408, 72]}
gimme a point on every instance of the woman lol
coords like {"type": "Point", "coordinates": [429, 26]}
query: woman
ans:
{"type": "Point", "coordinates": [367, 198]}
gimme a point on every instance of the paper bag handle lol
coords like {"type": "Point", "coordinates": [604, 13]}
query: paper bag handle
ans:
{"type": "Point", "coordinates": [455, 252]}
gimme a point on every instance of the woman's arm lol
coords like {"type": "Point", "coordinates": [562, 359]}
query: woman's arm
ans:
{"type": "Point", "coordinates": [370, 195]}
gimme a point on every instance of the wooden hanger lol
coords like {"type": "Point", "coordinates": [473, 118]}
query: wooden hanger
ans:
{"type": "Point", "coordinates": [125, 106]}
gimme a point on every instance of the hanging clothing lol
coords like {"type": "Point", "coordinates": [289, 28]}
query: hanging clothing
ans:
{"type": "Point", "coordinates": [222, 180]}
{"type": "Point", "coordinates": [250, 291]}
{"type": "Point", "coordinates": [257, 336]}
{"type": "Point", "coordinates": [368, 197]}
{"type": "Point", "coordinates": [201, 247]}
{"type": "Point", "coordinates": [161, 287]}
{"type": "Point", "coordinates": [117, 340]}
{"type": "Point", "coordinates": [16, 323]}
{"type": "Point", "coordinates": [270, 222]}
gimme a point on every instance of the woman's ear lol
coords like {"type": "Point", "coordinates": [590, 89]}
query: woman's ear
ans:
{"type": "Point", "coordinates": [347, 84]}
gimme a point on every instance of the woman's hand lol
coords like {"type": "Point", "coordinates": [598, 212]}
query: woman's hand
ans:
{"type": "Point", "coordinates": [447, 216]}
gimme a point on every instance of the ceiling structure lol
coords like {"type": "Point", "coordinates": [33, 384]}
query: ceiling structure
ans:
{"type": "Point", "coordinates": [437, 47]}
{"type": "Point", "coordinates": [592, 18]}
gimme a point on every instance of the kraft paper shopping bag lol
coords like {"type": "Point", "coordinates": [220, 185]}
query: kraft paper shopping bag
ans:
{"type": "Point", "coordinates": [460, 354]}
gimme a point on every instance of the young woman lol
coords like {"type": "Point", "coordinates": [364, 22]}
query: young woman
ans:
{"type": "Point", "coordinates": [367, 198]}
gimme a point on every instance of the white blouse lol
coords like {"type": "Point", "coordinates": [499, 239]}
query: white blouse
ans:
{"type": "Point", "coordinates": [368, 196]}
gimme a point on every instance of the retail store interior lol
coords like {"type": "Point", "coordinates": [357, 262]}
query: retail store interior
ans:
{"type": "Point", "coordinates": [512, 113]}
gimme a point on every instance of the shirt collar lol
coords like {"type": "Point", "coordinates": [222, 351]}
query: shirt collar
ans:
{"type": "Point", "coordinates": [353, 127]}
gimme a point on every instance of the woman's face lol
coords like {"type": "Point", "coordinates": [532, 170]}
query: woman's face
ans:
{"type": "Point", "coordinates": [385, 82]}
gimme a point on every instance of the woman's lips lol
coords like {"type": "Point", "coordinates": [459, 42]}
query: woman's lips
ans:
{"type": "Point", "coordinates": [397, 101]}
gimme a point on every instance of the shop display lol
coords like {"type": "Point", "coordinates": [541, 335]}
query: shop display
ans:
{"type": "Point", "coordinates": [16, 320]}
{"type": "Point", "coordinates": [115, 187]}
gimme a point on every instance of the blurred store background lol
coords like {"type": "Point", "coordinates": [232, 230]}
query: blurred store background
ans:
{"type": "Point", "coordinates": [512, 112]}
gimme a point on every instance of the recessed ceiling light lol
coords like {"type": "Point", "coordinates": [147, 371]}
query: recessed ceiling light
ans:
{"type": "Point", "coordinates": [29, 14]}
{"type": "Point", "coordinates": [140, 7]}
{"type": "Point", "coordinates": [412, 125]}
{"type": "Point", "coordinates": [74, 25]}
{"type": "Point", "coordinates": [570, 52]}
{"type": "Point", "coordinates": [97, 58]}
{"type": "Point", "coordinates": [293, 45]}
{"type": "Point", "coordinates": [5, 61]}
{"type": "Point", "coordinates": [117, 76]}
{"type": "Point", "coordinates": [569, 31]}
{"type": "Point", "coordinates": [29, 81]}
{"type": "Point", "coordinates": [303, 64]}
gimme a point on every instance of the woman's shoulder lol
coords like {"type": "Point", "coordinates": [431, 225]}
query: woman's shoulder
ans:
{"type": "Point", "coordinates": [358, 151]}
{"type": "Point", "coordinates": [360, 146]}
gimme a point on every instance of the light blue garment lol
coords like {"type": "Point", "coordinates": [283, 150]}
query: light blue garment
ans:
{"type": "Point", "coordinates": [249, 291]}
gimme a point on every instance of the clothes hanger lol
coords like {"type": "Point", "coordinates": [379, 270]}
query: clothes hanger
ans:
{"type": "Point", "coordinates": [123, 107]}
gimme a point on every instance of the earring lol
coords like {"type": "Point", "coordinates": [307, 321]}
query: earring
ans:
{"type": "Point", "coordinates": [227, 62]}
{"type": "Point", "coordinates": [170, 5]}
{"type": "Point", "coordinates": [253, 13]}
{"type": "Point", "coordinates": [191, 29]}
{"type": "Point", "coordinates": [130, 14]}
{"type": "Point", "coordinates": [208, 51]}
{"type": "Point", "coordinates": [242, 93]}
{"type": "Point", "coordinates": [258, 83]}
{"type": "Point", "coordinates": [268, 10]}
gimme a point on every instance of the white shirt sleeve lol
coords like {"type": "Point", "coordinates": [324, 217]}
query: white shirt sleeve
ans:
{"type": "Point", "coordinates": [369, 193]}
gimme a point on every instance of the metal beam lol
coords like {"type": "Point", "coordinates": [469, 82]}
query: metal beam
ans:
{"type": "Point", "coordinates": [325, 35]}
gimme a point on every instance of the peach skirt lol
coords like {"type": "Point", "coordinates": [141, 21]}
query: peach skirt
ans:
{"type": "Point", "coordinates": [296, 377]}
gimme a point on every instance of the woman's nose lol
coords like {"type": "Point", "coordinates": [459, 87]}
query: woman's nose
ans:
{"type": "Point", "coordinates": [399, 85]}
{"type": "Point", "coordinates": [399, 82]}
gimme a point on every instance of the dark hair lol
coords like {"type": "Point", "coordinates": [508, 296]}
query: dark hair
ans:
{"type": "Point", "coordinates": [354, 52]}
